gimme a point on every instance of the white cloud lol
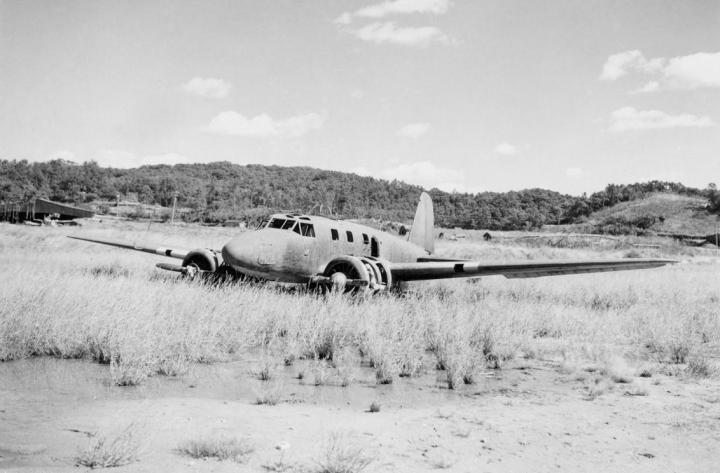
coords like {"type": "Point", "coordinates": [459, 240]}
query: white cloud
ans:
{"type": "Point", "coordinates": [693, 71]}
{"type": "Point", "coordinates": [505, 149]}
{"type": "Point", "coordinates": [620, 64]}
{"type": "Point", "coordinates": [651, 86]}
{"type": "Point", "coordinates": [118, 158]}
{"type": "Point", "coordinates": [574, 173]}
{"type": "Point", "coordinates": [414, 130]}
{"type": "Point", "coordinates": [357, 94]}
{"type": "Point", "coordinates": [682, 72]}
{"type": "Point", "coordinates": [387, 32]}
{"type": "Point", "coordinates": [425, 174]}
{"type": "Point", "coordinates": [164, 158]}
{"type": "Point", "coordinates": [263, 126]}
{"type": "Point", "coordinates": [115, 158]}
{"type": "Point", "coordinates": [344, 19]}
{"type": "Point", "coordinates": [207, 87]}
{"type": "Point", "coordinates": [360, 171]}
{"type": "Point", "coordinates": [381, 10]}
{"type": "Point", "coordinates": [64, 155]}
{"type": "Point", "coordinates": [628, 118]}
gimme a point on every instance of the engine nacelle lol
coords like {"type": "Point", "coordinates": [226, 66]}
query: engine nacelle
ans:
{"type": "Point", "coordinates": [371, 273]}
{"type": "Point", "coordinates": [351, 266]}
{"type": "Point", "coordinates": [382, 268]}
{"type": "Point", "coordinates": [203, 258]}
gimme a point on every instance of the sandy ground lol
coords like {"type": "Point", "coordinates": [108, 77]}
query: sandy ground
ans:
{"type": "Point", "coordinates": [526, 417]}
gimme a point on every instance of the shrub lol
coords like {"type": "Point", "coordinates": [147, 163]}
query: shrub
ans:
{"type": "Point", "coordinates": [102, 453]}
{"type": "Point", "coordinates": [339, 457]}
{"type": "Point", "coordinates": [220, 448]}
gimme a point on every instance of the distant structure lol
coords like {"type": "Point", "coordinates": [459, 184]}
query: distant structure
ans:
{"type": "Point", "coordinates": [487, 236]}
{"type": "Point", "coordinates": [40, 209]}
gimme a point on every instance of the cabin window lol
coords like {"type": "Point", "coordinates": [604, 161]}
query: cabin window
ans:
{"type": "Point", "coordinates": [335, 234]}
{"type": "Point", "coordinates": [349, 236]}
{"type": "Point", "coordinates": [306, 229]}
{"type": "Point", "coordinates": [366, 240]}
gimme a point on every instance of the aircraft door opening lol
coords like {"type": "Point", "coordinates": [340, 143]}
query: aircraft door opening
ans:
{"type": "Point", "coordinates": [374, 247]}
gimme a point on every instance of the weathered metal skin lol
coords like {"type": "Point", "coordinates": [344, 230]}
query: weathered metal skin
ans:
{"type": "Point", "coordinates": [286, 256]}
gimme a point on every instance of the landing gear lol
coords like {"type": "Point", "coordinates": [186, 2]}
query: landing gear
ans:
{"type": "Point", "coordinates": [224, 275]}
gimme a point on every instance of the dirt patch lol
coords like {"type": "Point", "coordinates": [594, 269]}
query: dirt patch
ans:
{"type": "Point", "coordinates": [532, 416]}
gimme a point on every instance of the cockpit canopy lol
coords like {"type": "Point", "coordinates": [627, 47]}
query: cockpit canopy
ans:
{"type": "Point", "coordinates": [292, 223]}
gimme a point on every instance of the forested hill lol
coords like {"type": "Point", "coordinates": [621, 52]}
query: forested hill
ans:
{"type": "Point", "coordinates": [220, 191]}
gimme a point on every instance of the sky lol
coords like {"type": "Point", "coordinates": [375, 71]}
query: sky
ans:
{"type": "Point", "coordinates": [462, 95]}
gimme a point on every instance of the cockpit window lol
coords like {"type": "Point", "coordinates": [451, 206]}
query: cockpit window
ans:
{"type": "Point", "coordinates": [262, 224]}
{"type": "Point", "coordinates": [276, 223]}
{"type": "Point", "coordinates": [282, 223]}
{"type": "Point", "coordinates": [306, 229]}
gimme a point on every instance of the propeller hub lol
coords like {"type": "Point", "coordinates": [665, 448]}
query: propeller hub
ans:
{"type": "Point", "coordinates": [339, 280]}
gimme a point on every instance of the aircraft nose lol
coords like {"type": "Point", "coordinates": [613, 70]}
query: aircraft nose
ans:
{"type": "Point", "coordinates": [250, 251]}
{"type": "Point", "coordinates": [236, 253]}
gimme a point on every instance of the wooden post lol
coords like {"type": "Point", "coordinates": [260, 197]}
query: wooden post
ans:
{"type": "Point", "coordinates": [172, 217]}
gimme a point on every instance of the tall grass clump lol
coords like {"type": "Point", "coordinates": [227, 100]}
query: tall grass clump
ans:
{"type": "Point", "coordinates": [219, 448]}
{"type": "Point", "coordinates": [106, 453]}
{"type": "Point", "coordinates": [340, 456]}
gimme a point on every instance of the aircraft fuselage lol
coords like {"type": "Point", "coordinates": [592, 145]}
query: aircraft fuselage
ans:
{"type": "Point", "coordinates": [292, 248]}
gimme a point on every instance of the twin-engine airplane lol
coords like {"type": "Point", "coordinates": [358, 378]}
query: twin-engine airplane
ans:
{"type": "Point", "coordinates": [338, 254]}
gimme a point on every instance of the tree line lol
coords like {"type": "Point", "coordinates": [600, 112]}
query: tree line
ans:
{"type": "Point", "coordinates": [219, 191]}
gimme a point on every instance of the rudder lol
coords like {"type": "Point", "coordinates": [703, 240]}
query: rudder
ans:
{"type": "Point", "coordinates": [422, 232]}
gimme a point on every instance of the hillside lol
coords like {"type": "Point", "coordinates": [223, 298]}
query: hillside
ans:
{"type": "Point", "coordinates": [670, 213]}
{"type": "Point", "coordinates": [221, 191]}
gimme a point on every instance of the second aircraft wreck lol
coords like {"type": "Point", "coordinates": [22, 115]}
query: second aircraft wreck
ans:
{"type": "Point", "coordinates": [340, 254]}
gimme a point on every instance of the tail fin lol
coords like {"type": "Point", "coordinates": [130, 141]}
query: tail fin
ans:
{"type": "Point", "coordinates": [422, 232]}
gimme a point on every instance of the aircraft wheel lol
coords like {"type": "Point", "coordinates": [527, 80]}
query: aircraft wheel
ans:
{"type": "Point", "coordinates": [191, 271]}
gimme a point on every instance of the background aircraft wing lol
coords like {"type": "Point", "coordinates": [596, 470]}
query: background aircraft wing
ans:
{"type": "Point", "coordinates": [468, 269]}
{"type": "Point", "coordinates": [171, 252]}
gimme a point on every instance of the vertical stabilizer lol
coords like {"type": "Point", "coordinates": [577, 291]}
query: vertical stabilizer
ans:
{"type": "Point", "coordinates": [422, 232]}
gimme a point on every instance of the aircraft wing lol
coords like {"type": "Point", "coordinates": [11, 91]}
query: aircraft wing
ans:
{"type": "Point", "coordinates": [162, 251]}
{"type": "Point", "coordinates": [468, 269]}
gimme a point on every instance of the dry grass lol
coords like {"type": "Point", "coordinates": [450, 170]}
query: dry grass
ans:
{"type": "Point", "coordinates": [219, 448]}
{"type": "Point", "coordinates": [270, 393]}
{"type": "Point", "coordinates": [107, 453]}
{"type": "Point", "coordinates": [143, 322]}
{"type": "Point", "coordinates": [340, 456]}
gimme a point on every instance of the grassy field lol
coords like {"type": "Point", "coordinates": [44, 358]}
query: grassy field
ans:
{"type": "Point", "coordinates": [69, 299]}
{"type": "Point", "coordinates": [603, 372]}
